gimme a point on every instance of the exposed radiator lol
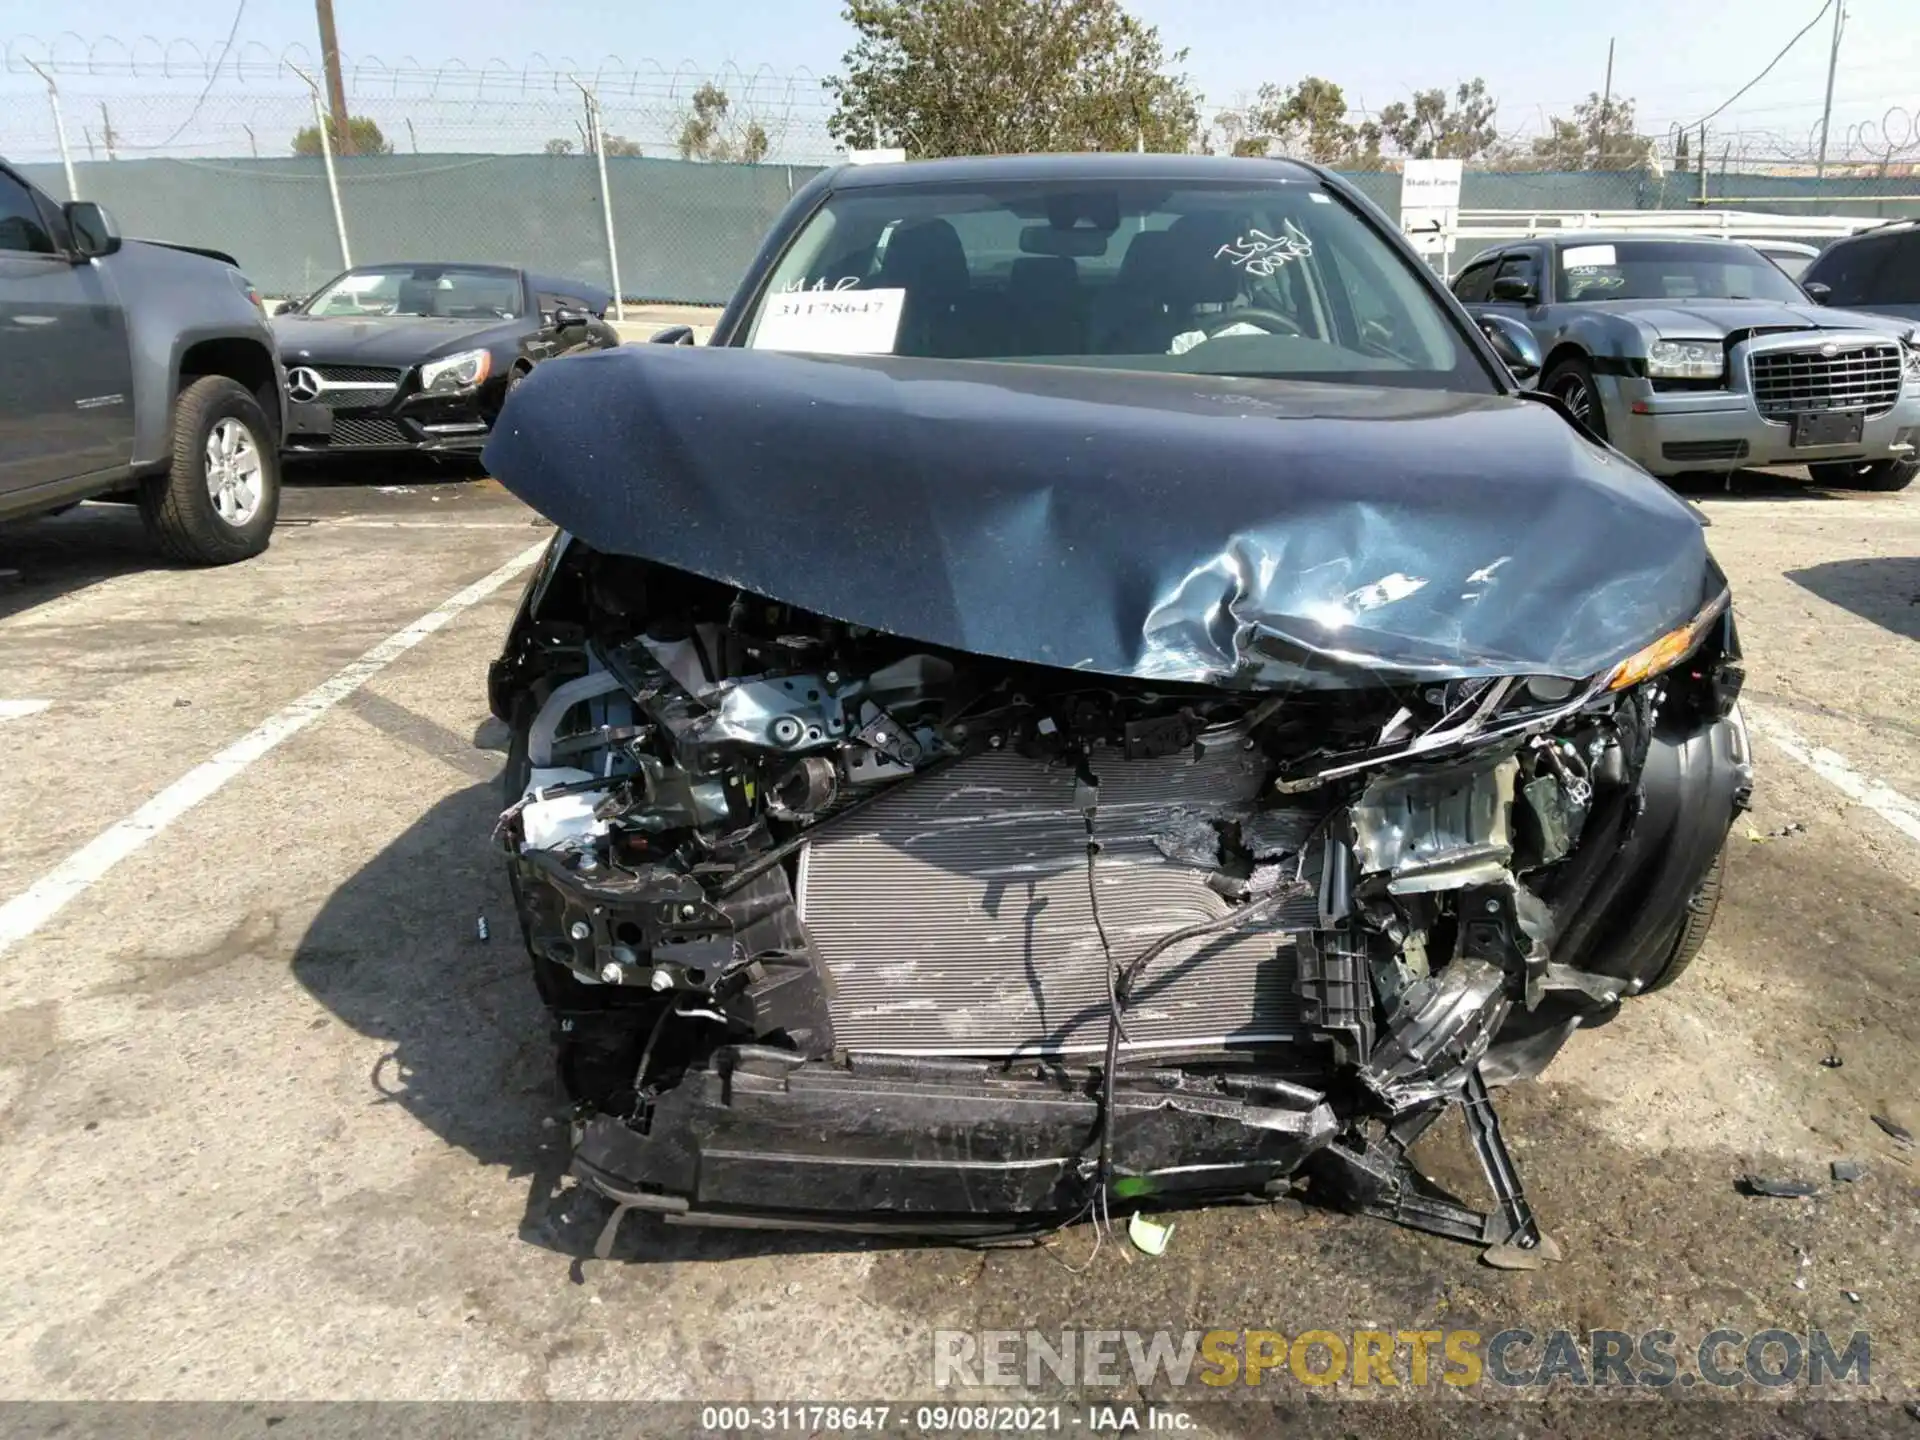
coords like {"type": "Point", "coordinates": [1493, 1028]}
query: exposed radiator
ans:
{"type": "Point", "coordinates": [954, 918]}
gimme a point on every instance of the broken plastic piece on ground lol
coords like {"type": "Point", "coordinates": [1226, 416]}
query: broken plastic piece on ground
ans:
{"type": "Point", "coordinates": [1847, 1171]}
{"type": "Point", "coordinates": [480, 929]}
{"type": "Point", "coordinates": [1149, 1237]}
{"type": "Point", "coordinates": [1853, 1295]}
{"type": "Point", "coordinates": [1510, 1256]}
{"type": "Point", "coordinates": [1831, 1060]}
{"type": "Point", "coordinates": [1894, 1128]}
{"type": "Point", "coordinates": [1778, 1189]}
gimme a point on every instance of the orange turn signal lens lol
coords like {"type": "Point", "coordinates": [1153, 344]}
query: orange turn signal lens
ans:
{"type": "Point", "coordinates": [1666, 652]}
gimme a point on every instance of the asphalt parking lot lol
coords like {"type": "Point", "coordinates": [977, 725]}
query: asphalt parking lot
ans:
{"type": "Point", "coordinates": [277, 1121]}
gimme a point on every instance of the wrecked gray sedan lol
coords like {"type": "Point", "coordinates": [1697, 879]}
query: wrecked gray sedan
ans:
{"type": "Point", "coordinates": [1174, 751]}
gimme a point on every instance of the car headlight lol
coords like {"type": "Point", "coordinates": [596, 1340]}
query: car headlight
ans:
{"type": "Point", "coordinates": [456, 372]}
{"type": "Point", "coordinates": [1686, 359]}
{"type": "Point", "coordinates": [1669, 650]}
{"type": "Point", "coordinates": [1913, 365]}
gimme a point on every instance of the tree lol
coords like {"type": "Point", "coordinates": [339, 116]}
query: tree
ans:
{"type": "Point", "coordinates": [967, 77]}
{"type": "Point", "coordinates": [366, 137]}
{"type": "Point", "coordinates": [1600, 136]}
{"type": "Point", "coordinates": [558, 146]}
{"type": "Point", "coordinates": [1430, 129]}
{"type": "Point", "coordinates": [1307, 121]}
{"type": "Point", "coordinates": [620, 145]}
{"type": "Point", "coordinates": [707, 134]}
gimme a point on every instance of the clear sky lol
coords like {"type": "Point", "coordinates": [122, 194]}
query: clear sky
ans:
{"type": "Point", "coordinates": [1677, 58]}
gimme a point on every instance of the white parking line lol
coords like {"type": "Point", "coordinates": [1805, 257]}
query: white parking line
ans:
{"type": "Point", "coordinates": [20, 709]}
{"type": "Point", "coordinates": [1885, 801]}
{"type": "Point", "coordinates": [72, 877]}
{"type": "Point", "coordinates": [358, 523]}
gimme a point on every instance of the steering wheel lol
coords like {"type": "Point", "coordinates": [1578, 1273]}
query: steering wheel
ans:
{"type": "Point", "coordinates": [1271, 321]}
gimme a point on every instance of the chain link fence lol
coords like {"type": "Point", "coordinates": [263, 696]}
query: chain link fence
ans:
{"type": "Point", "coordinates": [500, 168]}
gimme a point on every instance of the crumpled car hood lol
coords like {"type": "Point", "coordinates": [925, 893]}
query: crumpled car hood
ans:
{"type": "Point", "coordinates": [1171, 527]}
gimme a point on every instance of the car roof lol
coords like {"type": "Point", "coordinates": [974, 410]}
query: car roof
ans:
{"type": "Point", "coordinates": [1122, 165]}
{"type": "Point", "coordinates": [438, 264]}
{"type": "Point", "coordinates": [1631, 237]}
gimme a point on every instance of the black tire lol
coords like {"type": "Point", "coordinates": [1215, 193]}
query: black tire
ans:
{"type": "Point", "coordinates": [1886, 475]}
{"type": "Point", "coordinates": [1571, 382]}
{"type": "Point", "coordinates": [1701, 909]}
{"type": "Point", "coordinates": [179, 507]}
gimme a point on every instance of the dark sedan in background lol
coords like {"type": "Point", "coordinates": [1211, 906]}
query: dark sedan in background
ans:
{"type": "Point", "coordinates": [1695, 354]}
{"type": "Point", "coordinates": [421, 356]}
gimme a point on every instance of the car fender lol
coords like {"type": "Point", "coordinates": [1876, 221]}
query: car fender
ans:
{"type": "Point", "coordinates": [175, 300]}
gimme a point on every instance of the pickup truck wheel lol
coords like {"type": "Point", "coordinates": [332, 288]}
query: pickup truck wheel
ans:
{"type": "Point", "coordinates": [217, 502]}
{"type": "Point", "coordinates": [1866, 474]}
{"type": "Point", "coordinates": [1571, 383]}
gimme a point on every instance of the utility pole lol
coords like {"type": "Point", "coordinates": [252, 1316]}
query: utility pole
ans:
{"type": "Point", "coordinates": [336, 90]}
{"type": "Point", "coordinates": [1826, 113]}
{"type": "Point", "coordinates": [1606, 103]}
{"type": "Point", "coordinates": [106, 124]}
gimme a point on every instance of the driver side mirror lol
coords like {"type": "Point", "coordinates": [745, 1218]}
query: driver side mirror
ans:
{"type": "Point", "coordinates": [1514, 343]}
{"type": "Point", "coordinates": [672, 335]}
{"type": "Point", "coordinates": [565, 317]}
{"type": "Point", "coordinates": [94, 233]}
{"type": "Point", "coordinates": [1515, 288]}
{"type": "Point", "coordinates": [1818, 293]}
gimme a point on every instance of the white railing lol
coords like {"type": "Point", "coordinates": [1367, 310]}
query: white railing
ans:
{"type": "Point", "coordinates": [1487, 226]}
{"type": "Point", "coordinates": [1725, 224]}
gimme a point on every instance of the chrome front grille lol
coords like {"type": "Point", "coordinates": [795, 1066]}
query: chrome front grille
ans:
{"type": "Point", "coordinates": [343, 387]}
{"type": "Point", "coordinates": [953, 915]}
{"type": "Point", "coordinates": [1861, 375]}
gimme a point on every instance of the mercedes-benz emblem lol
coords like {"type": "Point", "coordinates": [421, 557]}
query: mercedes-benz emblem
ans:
{"type": "Point", "coordinates": [303, 384]}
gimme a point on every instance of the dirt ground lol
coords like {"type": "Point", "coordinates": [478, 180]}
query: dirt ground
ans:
{"type": "Point", "coordinates": [275, 1122]}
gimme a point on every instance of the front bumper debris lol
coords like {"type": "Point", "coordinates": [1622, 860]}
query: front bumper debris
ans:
{"type": "Point", "coordinates": [843, 932]}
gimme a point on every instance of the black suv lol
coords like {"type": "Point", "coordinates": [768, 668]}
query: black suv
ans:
{"type": "Point", "coordinates": [1876, 270]}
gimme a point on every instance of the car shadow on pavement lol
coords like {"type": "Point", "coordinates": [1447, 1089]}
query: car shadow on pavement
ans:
{"type": "Point", "coordinates": [50, 556]}
{"type": "Point", "coordinates": [395, 953]}
{"type": "Point", "coordinates": [1884, 589]}
{"type": "Point", "coordinates": [1752, 486]}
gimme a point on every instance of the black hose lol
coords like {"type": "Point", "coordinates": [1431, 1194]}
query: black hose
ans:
{"type": "Point", "coordinates": [1193, 932]}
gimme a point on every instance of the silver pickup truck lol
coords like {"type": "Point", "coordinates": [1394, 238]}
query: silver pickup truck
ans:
{"type": "Point", "coordinates": [129, 368]}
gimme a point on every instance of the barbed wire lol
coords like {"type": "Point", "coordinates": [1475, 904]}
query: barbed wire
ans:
{"type": "Point", "coordinates": [248, 100]}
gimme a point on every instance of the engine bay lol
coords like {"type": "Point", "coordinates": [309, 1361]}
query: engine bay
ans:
{"type": "Point", "coordinates": [789, 882]}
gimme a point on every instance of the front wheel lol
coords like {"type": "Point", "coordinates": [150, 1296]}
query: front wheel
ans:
{"type": "Point", "coordinates": [1884, 475]}
{"type": "Point", "coordinates": [1571, 383]}
{"type": "Point", "coordinates": [1701, 908]}
{"type": "Point", "coordinates": [218, 500]}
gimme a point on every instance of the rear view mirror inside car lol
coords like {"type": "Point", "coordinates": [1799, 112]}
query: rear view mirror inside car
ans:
{"type": "Point", "coordinates": [1077, 243]}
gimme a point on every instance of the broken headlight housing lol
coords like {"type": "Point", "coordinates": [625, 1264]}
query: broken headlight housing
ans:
{"type": "Point", "coordinates": [1669, 650]}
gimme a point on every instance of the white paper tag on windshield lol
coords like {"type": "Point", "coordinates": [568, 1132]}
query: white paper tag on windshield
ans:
{"type": "Point", "coordinates": [831, 322]}
{"type": "Point", "coordinates": [1575, 257]}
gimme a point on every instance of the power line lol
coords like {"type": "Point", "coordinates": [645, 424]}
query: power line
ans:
{"type": "Point", "coordinates": [213, 74]}
{"type": "Point", "coordinates": [1801, 35]}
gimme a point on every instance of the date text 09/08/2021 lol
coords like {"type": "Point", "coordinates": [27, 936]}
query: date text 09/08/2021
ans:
{"type": "Point", "coordinates": [944, 1419]}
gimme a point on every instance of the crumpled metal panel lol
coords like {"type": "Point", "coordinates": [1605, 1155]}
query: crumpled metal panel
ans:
{"type": "Point", "coordinates": [1168, 527]}
{"type": "Point", "coordinates": [1437, 829]}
